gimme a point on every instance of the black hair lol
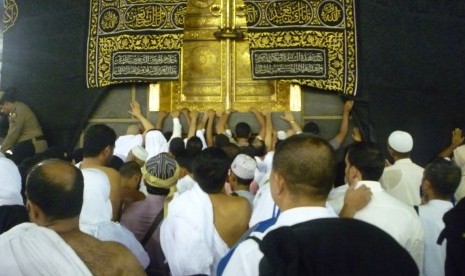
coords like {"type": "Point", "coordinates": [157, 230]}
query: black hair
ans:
{"type": "Point", "coordinates": [312, 128]}
{"type": "Point", "coordinates": [221, 140]}
{"type": "Point", "coordinates": [129, 169]}
{"type": "Point", "coordinates": [58, 193]}
{"type": "Point", "coordinates": [307, 164]}
{"type": "Point", "coordinates": [367, 158]}
{"type": "Point", "coordinates": [96, 138]}
{"type": "Point", "coordinates": [194, 146]}
{"type": "Point", "coordinates": [259, 147]}
{"type": "Point", "coordinates": [242, 130]}
{"type": "Point", "coordinates": [210, 169]}
{"type": "Point", "coordinates": [444, 177]}
{"type": "Point", "coordinates": [177, 147]}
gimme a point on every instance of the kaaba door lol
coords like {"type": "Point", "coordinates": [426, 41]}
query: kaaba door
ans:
{"type": "Point", "coordinates": [216, 70]}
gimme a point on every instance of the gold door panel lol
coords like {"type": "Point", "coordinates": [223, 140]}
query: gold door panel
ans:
{"type": "Point", "coordinates": [216, 72]}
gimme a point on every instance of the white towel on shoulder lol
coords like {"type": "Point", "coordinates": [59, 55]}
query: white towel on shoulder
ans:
{"type": "Point", "coordinates": [28, 249]}
{"type": "Point", "coordinates": [188, 235]}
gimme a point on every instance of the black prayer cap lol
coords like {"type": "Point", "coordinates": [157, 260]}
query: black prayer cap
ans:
{"type": "Point", "coordinates": [334, 246]}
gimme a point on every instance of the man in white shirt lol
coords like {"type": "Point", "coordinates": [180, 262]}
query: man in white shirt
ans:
{"type": "Point", "coordinates": [302, 176]}
{"type": "Point", "coordinates": [402, 180]}
{"type": "Point", "coordinates": [441, 179]}
{"type": "Point", "coordinates": [364, 165]}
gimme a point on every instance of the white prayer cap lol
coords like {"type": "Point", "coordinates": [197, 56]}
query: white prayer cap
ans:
{"type": "Point", "coordinates": [282, 135]}
{"type": "Point", "coordinates": [400, 141]}
{"type": "Point", "coordinates": [140, 153]}
{"type": "Point", "coordinates": [244, 166]}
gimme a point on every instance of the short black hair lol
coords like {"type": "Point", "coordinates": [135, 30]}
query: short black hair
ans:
{"type": "Point", "coordinates": [242, 130]}
{"type": "Point", "coordinates": [232, 150]}
{"type": "Point", "coordinates": [259, 147]}
{"type": "Point", "coordinates": [367, 158]}
{"type": "Point", "coordinates": [312, 128]}
{"type": "Point", "coordinates": [444, 176]}
{"type": "Point", "coordinates": [57, 188]}
{"type": "Point", "coordinates": [243, 181]}
{"type": "Point", "coordinates": [129, 169]}
{"type": "Point", "coordinates": [210, 169]}
{"type": "Point", "coordinates": [221, 140]}
{"type": "Point", "coordinates": [177, 146]}
{"type": "Point", "coordinates": [194, 146]}
{"type": "Point", "coordinates": [96, 138]}
{"type": "Point", "coordinates": [307, 164]}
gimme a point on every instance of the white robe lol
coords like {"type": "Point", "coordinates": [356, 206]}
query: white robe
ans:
{"type": "Point", "coordinates": [10, 180]}
{"type": "Point", "coordinates": [155, 143]}
{"type": "Point", "coordinates": [188, 235]}
{"type": "Point", "coordinates": [96, 214]}
{"type": "Point", "coordinates": [459, 158]}
{"type": "Point", "coordinates": [125, 143]}
{"type": "Point", "coordinates": [28, 249]}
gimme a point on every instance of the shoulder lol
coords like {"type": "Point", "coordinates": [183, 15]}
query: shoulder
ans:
{"type": "Point", "coordinates": [122, 259]}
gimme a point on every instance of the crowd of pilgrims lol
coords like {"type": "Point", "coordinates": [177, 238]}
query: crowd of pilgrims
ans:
{"type": "Point", "coordinates": [210, 201]}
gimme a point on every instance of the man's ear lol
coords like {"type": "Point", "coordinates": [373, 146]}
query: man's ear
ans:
{"type": "Point", "coordinates": [426, 185]}
{"type": "Point", "coordinates": [232, 180]}
{"type": "Point", "coordinates": [35, 213]}
{"type": "Point", "coordinates": [353, 174]}
{"type": "Point", "coordinates": [279, 183]}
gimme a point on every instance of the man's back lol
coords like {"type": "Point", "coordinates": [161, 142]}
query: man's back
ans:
{"type": "Point", "coordinates": [394, 217]}
{"type": "Point", "coordinates": [431, 218]}
{"type": "Point", "coordinates": [103, 258]}
{"type": "Point", "coordinates": [403, 180]}
{"type": "Point", "coordinates": [231, 216]}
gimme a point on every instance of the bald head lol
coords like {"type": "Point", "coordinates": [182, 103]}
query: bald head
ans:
{"type": "Point", "coordinates": [57, 188]}
{"type": "Point", "coordinates": [307, 164]}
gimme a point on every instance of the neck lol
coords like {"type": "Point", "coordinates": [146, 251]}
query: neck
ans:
{"type": "Point", "coordinates": [242, 187]}
{"type": "Point", "coordinates": [432, 196]}
{"type": "Point", "coordinates": [301, 201]}
{"type": "Point", "coordinates": [93, 161]}
{"type": "Point", "coordinates": [64, 226]}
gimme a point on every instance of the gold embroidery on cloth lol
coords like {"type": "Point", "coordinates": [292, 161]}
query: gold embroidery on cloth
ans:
{"type": "Point", "coordinates": [134, 41]}
{"type": "Point", "coordinates": [307, 42]}
{"type": "Point", "coordinates": [10, 14]}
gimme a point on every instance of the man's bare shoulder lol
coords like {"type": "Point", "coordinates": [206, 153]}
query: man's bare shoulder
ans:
{"type": "Point", "coordinates": [104, 258]}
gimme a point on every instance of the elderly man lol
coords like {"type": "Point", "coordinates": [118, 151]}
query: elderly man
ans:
{"type": "Point", "coordinates": [54, 245]}
{"type": "Point", "coordinates": [25, 137]}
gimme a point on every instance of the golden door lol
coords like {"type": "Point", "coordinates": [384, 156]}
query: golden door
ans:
{"type": "Point", "coordinates": [216, 71]}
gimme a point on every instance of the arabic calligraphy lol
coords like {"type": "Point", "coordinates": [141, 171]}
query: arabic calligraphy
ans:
{"type": "Point", "coordinates": [158, 65]}
{"type": "Point", "coordinates": [146, 16]}
{"type": "Point", "coordinates": [109, 20]}
{"type": "Point", "coordinates": [330, 13]}
{"type": "Point", "coordinates": [134, 40]}
{"type": "Point", "coordinates": [281, 13]}
{"type": "Point", "coordinates": [324, 33]}
{"type": "Point", "coordinates": [289, 63]}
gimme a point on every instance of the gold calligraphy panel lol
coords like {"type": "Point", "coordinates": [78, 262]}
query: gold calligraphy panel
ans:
{"type": "Point", "coordinates": [307, 42]}
{"type": "Point", "coordinates": [134, 41]}
{"type": "Point", "coordinates": [216, 70]}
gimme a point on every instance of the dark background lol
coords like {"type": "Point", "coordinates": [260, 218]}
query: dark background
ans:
{"type": "Point", "coordinates": [411, 69]}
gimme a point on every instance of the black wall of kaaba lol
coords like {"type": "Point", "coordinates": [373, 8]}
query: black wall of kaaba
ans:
{"type": "Point", "coordinates": [44, 57]}
{"type": "Point", "coordinates": [411, 68]}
